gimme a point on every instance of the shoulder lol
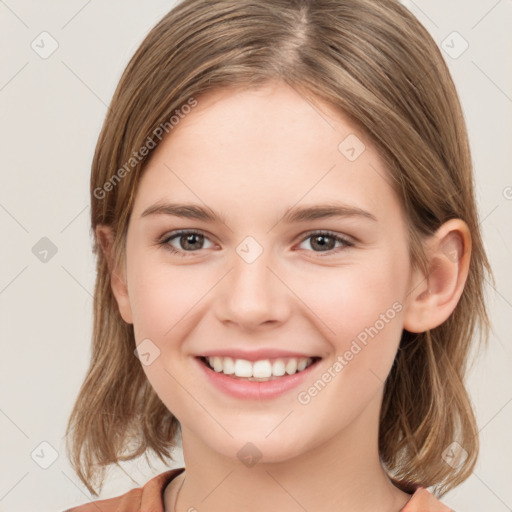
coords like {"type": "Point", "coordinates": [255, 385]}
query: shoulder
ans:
{"type": "Point", "coordinates": [423, 501]}
{"type": "Point", "coordinates": [148, 497]}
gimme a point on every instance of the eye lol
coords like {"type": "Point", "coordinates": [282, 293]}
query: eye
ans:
{"type": "Point", "coordinates": [192, 241]}
{"type": "Point", "coordinates": [325, 242]}
{"type": "Point", "coordinates": [189, 241]}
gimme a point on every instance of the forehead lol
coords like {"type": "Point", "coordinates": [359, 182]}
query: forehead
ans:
{"type": "Point", "coordinates": [254, 150]}
{"type": "Point", "coordinates": [248, 117]}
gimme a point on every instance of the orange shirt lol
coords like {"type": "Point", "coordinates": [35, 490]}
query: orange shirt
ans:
{"type": "Point", "coordinates": [149, 498]}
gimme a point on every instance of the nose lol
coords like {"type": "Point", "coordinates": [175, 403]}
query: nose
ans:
{"type": "Point", "coordinates": [252, 294]}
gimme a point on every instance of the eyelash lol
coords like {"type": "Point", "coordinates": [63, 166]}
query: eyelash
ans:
{"type": "Point", "coordinates": [165, 242]}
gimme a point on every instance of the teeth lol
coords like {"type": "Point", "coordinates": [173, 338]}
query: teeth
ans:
{"type": "Point", "coordinates": [217, 364]}
{"type": "Point", "coordinates": [243, 368]}
{"type": "Point", "coordinates": [228, 366]}
{"type": "Point", "coordinates": [278, 368]}
{"type": "Point", "coordinates": [291, 366]}
{"type": "Point", "coordinates": [261, 370]}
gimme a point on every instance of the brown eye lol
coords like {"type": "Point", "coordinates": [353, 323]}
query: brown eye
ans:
{"type": "Point", "coordinates": [325, 242]}
{"type": "Point", "coordinates": [187, 241]}
{"type": "Point", "coordinates": [191, 241]}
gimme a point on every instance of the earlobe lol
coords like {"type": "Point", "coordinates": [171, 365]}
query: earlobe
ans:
{"type": "Point", "coordinates": [118, 280]}
{"type": "Point", "coordinates": [433, 297]}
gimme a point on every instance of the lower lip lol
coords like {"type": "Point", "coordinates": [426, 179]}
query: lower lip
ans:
{"type": "Point", "coordinates": [252, 390]}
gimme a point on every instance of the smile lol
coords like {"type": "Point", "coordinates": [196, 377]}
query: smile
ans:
{"type": "Point", "coordinates": [260, 379]}
{"type": "Point", "coordinates": [258, 371]}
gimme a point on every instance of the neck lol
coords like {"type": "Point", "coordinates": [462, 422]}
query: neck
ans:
{"type": "Point", "coordinates": [342, 474]}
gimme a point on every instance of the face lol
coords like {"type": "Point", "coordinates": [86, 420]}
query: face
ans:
{"type": "Point", "coordinates": [263, 283]}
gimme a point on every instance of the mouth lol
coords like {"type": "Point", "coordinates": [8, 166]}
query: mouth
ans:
{"type": "Point", "coordinates": [262, 370]}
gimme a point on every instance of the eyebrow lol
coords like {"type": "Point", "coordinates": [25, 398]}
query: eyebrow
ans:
{"type": "Point", "coordinates": [294, 214]}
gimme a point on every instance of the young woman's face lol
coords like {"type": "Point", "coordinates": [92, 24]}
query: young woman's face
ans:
{"type": "Point", "coordinates": [267, 283]}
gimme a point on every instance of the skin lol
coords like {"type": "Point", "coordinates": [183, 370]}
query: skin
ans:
{"type": "Point", "coordinates": [250, 155]}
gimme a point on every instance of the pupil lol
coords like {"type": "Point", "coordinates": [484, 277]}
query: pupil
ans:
{"type": "Point", "coordinates": [323, 244]}
{"type": "Point", "coordinates": [189, 239]}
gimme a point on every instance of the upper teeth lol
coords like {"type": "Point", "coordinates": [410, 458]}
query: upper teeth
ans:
{"type": "Point", "coordinates": [259, 369]}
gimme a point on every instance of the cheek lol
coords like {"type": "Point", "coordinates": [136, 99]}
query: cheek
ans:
{"type": "Point", "coordinates": [361, 305]}
{"type": "Point", "coordinates": [354, 297]}
{"type": "Point", "coordinates": [160, 296]}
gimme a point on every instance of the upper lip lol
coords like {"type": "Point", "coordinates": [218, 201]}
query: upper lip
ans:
{"type": "Point", "coordinates": [255, 355]}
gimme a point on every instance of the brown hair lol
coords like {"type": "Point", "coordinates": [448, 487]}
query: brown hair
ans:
{"type": "Point", "coordinates": [375, 63]}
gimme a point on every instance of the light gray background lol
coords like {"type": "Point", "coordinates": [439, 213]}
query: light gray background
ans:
{"type": "Point", "coordinates": [52, 110]}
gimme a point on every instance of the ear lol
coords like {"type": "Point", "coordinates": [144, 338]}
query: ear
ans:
{"type": "Point", "coordinates": [118, 281]}
{"type": "Point", "coordinates": [433, 297]}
